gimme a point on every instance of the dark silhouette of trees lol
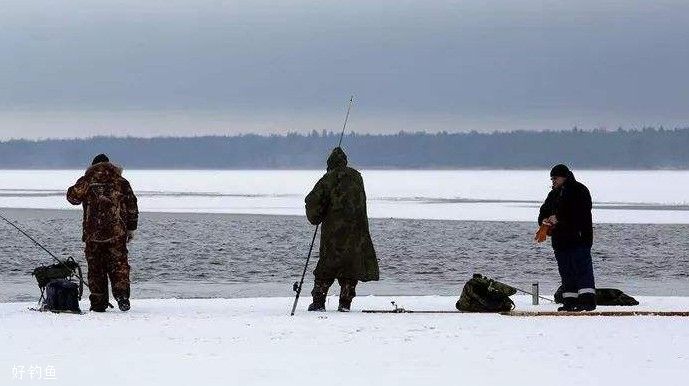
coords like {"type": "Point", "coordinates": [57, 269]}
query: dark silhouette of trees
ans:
{"type": "Point", "coordinates": [647, 148]}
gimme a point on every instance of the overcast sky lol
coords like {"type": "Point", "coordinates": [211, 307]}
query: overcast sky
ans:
{"type": "Point", "coordinates": [74, 68]}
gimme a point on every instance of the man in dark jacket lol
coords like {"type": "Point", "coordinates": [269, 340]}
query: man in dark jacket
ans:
{"type": "Point", "coordinates": [338, 202]}
{"type": "Point", "coordinates": [567, 210]}
{"type": "Point", "coordinates": [110, 219]}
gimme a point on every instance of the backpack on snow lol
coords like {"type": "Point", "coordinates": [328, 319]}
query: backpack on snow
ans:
{"type": "Point", "coordinates": [62, 295]}
{"type": "Point", "coordinates": [61, 286]}
{"type": "Point", "coordinates": [606, 297]}
{"type": "Point", "coordinates": [481, 294]}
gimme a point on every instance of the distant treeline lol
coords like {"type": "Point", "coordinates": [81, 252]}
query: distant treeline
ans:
{"type": "Point", "coordinates": [648, 148]}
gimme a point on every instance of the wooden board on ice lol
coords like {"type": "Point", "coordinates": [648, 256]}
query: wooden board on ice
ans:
{"type": "Point", "coordinates": [597, 313]}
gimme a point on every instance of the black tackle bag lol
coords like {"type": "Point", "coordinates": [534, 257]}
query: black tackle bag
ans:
{"type": "Point", "coordinates": [605, 297]}
{"type": "Point", "coordinates": [62, 295]}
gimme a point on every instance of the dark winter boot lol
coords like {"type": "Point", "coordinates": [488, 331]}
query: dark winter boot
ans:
{"type": "Point", "coordinates": [319, 292]}
{"type": "Point", "coordinates": [587, 302]}
{"type": "Point", "coordinates": [568, 305]}
{"type": "Point", "coordinates": [347, 293]}
{"type": "Point", "coordinates": [98, 308]}
{"type": "Point", "coordinates": [124, 305]}
{"type": "Point", "coordinates": [318, 304]}
{"type": "Point", "coordinates": [345, 305]}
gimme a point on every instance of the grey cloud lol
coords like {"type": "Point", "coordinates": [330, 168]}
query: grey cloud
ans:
{"type": "Point", "coordinates": [273, 66]}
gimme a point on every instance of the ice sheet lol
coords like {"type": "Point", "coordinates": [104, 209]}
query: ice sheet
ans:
{"type": "Point", "coordinates": [496, 195]}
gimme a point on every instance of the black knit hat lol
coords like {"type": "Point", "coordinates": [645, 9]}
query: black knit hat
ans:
{"type": "Point", "coordinates": [100, 158]}
{"type": "Point", "coordinates": [559, 170]}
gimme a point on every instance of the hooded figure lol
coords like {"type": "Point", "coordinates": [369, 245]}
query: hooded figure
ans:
{"type": "Point", "coordinates": [338, 202]}
{"type": "Point", "coordinates": [567, 211]}
{"type": "Point", "coordinates": [110, 219]}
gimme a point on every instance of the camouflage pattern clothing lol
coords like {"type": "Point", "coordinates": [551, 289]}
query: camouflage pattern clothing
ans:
{"type": "Point", "coordinates": [482, 294]}
{"type": "Point", "coordinates": [107, 260]}
{"type": "Point", "coordinates": [110, 213]}
{"type": "Point", "coordinates": [338, 203]}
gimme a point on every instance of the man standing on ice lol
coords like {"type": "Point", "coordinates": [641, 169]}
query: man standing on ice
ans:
{"type": "Point", "coordinates": [338, 202]}
{"type": "Point", "coordinates": [110, 219]}
{"type": "Point", "coordinates": [567, 211]}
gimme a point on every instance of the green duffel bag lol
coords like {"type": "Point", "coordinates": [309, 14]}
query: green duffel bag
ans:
{"type": "Point", "coordinates": [481, 294]}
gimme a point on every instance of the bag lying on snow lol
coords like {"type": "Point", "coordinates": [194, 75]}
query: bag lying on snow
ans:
{"type": "Point", "coordinates": [59, 291]}
{"type": "Point", "coordinates": [606, 297]}
{"type": "Point", "coordinates": [481, 294]}
{"type": "Point", "coordinates": [61, 295]}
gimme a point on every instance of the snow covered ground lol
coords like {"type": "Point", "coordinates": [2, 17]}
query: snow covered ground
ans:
{"type": "Point", "coordinates": [656, 196]}
{"type": "Point", "coordinates": [256, 342]}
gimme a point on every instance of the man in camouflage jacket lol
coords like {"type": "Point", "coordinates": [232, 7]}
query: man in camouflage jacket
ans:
{"type": "Point", "coordinates": [110, 219]}
{"type": "Point", "coordinates": [338, 202]}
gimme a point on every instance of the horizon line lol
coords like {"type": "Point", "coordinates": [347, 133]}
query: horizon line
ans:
{"type": "Point", "coordinates": [324, 133]}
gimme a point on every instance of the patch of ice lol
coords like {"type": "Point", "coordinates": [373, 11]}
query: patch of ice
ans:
{"type": "Point", "coordinates": [482, 195]}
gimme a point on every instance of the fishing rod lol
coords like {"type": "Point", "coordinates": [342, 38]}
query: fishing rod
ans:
{"type": "Point", "coordinates": [297, 286]}
{"type": "Point", "coordinates": [349, 107]}
{"type": "Point", "coordinates": [78, 274]}
{"type": "Point", "coordinates": [531, 293]}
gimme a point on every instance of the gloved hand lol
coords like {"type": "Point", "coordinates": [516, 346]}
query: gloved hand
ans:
{"type": "Point", "coordinates": [552, 220]}
{"type": "Point", "coordinates": [542, 233]}
{"type": "Point", "coordinates": [130, 235]}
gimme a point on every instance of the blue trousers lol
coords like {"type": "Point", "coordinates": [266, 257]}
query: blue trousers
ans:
{"type": "Point", "coordinates": [576, 271]}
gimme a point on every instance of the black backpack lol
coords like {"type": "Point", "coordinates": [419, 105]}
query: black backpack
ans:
{"type": "Point", "coordinates": [606, 297]}
{"type": "Point", "coordinates": [61, 286]}
{"type": "Point", "coordinates": [61, 295]}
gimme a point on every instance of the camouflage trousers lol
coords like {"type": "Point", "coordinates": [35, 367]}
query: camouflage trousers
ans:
{"type": "Point", "coordinates": [347, 289]}
{"type": "Point", "coordinates": [107, 260]}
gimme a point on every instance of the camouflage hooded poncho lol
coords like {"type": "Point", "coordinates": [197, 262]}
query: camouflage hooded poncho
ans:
{"type": "Point", "coordinates": [338, 202]}
{"type": "Point", "coordinates": [103, 182]}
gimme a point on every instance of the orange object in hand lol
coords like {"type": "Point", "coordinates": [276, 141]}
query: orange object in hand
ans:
{"type": "Point", "coordinates": [542, 233]}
